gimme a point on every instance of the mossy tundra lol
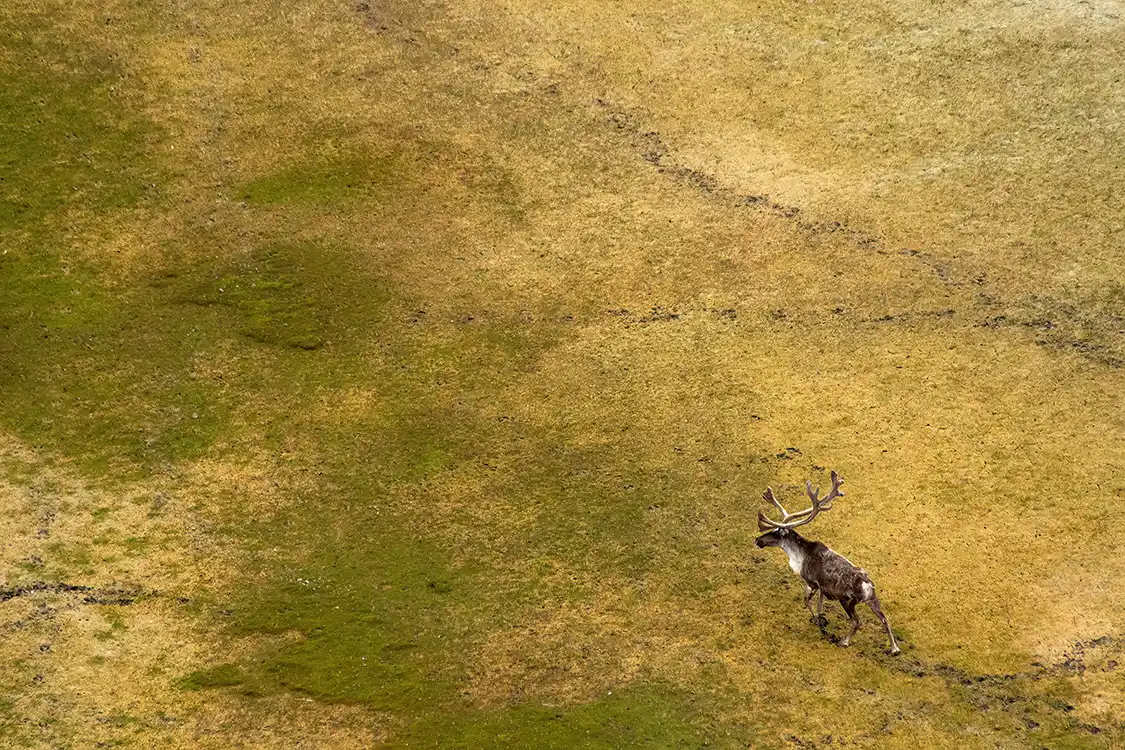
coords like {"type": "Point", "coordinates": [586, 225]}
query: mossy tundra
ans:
{"type": "Point", "coordinates": [407, 374]}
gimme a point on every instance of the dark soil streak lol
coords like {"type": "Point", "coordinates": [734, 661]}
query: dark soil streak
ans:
{"type": "Point", "coordinates": [658, 314]}
{"type": "Point", "coordinates": [1073, 662]}
{"type": "Point", "coordinates": [1055, 337]}
{"type": "Point", "coordinates": [999, 691]}
{"type": "Point", "coordinates": [109, 595]}
{"type": "Point", "coordinates": [656, 151]}
{"type": "Point", "coordinates": [41, 587]}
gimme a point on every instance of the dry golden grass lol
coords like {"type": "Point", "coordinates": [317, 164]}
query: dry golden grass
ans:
{"type": "Point", "coordinates": [85, 666]}
{"type": "Point", "coordinates": [954, 349]}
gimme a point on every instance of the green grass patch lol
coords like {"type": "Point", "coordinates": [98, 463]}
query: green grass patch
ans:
{"type": "Point", "coordinates": [113, 377]}
{"type": "Point", "coordinates": [377, 611]}
{"type": "Point", "coordinates": [383, 612]}
{"type": "Point", "coordinates": [377, 615]}
{"type": "Point", "coordinates": [298, 296]}
{"type": "Point", "coordinates": [326, 182]}
{"type": "Point", "coordinates": [645, 717]}
{"type": "Point", "coordinates": [220, 676]}
{"type": "Point", "coordinates": [67, 139]}
{"type": "Point", "coordinates": [118, 377]}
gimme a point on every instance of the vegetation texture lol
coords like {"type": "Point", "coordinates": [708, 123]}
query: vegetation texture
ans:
{"type": "Point", "coordinates": [407, 374]}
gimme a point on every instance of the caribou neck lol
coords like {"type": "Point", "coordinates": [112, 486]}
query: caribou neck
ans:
{"type": "Point", "coordinates": [798, 549]}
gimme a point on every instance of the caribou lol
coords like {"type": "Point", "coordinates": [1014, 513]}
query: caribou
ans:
{"type": "Point", "coordinates": [825, 573]}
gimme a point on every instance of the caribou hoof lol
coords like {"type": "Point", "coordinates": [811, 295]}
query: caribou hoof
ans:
{"type": "Point", "coordinates": [896, 651]}
{"type": "Point", "coordinates": [844, 643]}
{"type": "Point", "coordinates": [821, 621]}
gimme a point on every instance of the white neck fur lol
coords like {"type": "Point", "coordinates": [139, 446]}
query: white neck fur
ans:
{"type": "Point", "coordinates": [796, 556]}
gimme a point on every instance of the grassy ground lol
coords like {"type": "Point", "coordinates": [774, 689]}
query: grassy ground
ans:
{"type": "Point", "coordinates": [407, 374]}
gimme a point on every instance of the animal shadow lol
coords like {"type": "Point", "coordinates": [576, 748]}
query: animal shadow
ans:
{"type": "Point", "coordinates": [822, 622]}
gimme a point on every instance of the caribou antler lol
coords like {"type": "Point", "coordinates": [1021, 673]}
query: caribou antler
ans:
{"type": "Point", "coordinates": [801, 517]}
{"type": "Point", "coordinates": [826, 503]}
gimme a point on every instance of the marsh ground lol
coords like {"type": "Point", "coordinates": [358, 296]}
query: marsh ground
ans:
{"type": "Point", "coordinates": [406, 374]}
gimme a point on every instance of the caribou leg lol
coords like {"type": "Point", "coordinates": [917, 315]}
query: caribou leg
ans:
{"type": "Point", "coordinates": [849, 607]}
{"type": "Point", "coordinates": [809, 591]}
{"type": "Point", "coordinates": [821, 620]}
{"type": "Point", "coordinates": [874, 604]}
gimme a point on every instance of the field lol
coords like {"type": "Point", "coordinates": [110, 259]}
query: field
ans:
{"type": "Point", "coordinates": [407, 374]}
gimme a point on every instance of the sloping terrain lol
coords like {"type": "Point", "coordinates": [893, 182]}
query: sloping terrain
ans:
{"type": "Point", "coordinates": [408, 374]}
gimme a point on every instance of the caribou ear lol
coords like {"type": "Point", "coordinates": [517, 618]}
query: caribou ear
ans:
{"type": "Point", "coordinates": [763, 523]}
